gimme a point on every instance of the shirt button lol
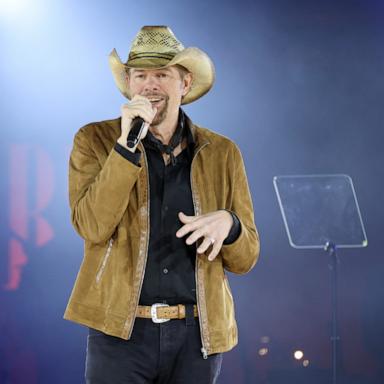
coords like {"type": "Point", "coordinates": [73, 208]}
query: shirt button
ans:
{"type": "Point", "coordinates": [165, 207]}
{"type": "Point", "coordinates": [165, 271]}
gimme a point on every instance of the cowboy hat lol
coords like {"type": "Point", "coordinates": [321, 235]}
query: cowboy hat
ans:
{"type": "Point", "coordinates": [157, 47]}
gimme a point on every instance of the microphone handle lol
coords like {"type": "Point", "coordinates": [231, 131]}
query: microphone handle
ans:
{"type": "Point", "coordinates": [134, 135]}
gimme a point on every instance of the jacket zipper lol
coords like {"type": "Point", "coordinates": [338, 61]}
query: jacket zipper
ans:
{"type": "Point", "coordinates": [147, 240]}
{"type": "Point", "coordinates": [105, 259]}
{"type": "Point", "coordinates": [197, 211]}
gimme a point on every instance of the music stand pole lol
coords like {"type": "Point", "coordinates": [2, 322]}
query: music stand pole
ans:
{"type": "Point", "coordinates": [330, 248]}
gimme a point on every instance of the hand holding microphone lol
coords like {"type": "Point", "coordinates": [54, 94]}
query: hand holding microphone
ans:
{"type": "Point", "coordinates": [135, 120]}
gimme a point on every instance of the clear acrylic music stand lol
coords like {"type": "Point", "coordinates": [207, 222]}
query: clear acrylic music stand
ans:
{"type": "Point", "coordinates": [321, 211]}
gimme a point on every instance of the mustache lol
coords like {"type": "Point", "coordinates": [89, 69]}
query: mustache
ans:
{"type": "Point", "coordinates": [155, 95]}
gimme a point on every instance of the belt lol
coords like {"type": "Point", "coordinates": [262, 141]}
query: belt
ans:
{"type": "Point", "coordinates": [160, 313]}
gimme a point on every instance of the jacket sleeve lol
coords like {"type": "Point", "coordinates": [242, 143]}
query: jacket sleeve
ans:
{"type": "Point", "coordinates": [241, 255]}
{"type": "Point", "coordinates": [98, 195]}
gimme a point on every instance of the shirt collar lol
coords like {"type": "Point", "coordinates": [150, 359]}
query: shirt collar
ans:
{"type": "Point", "coordinates": [187, 133]}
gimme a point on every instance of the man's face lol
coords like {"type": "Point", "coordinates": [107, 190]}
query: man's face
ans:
{"type": "Point", "coordinates": [163, 87]}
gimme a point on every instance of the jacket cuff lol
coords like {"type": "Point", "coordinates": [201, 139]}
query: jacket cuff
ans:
{"type": "Point", "coordinates": [133, 157]}
{"type": "Point", "coordinates": [235, 231]}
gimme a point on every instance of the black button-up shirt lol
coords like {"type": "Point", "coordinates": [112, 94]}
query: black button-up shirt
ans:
{"type": "Point", "coordinates": [170, 270]}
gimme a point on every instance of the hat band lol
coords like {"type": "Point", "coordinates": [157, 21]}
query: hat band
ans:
{"type": "Point", "coordinates": [152, 55]}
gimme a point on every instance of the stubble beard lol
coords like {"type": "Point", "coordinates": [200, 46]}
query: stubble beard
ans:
{"type": "Point", "coordinates": [161, 114]}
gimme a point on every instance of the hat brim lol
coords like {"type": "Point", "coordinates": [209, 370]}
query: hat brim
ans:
{"type": "Point", "coordinates": [193, 59]}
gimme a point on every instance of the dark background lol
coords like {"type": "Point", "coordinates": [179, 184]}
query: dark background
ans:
{"type": "Point", "coordinates": [300, 89]}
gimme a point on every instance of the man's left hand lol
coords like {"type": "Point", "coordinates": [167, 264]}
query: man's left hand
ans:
{"type": "Point", "coordinates": [214, 227]}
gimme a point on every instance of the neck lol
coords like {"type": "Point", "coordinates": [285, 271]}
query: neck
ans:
{"type": "Point", "coordinates": [165, 129]}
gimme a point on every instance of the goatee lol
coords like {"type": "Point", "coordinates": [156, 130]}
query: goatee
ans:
{"type": "Point", "coordinates": [161, 114]}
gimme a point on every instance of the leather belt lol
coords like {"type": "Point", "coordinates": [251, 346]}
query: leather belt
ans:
{"type": "Point", "coordinates": [160, 313]}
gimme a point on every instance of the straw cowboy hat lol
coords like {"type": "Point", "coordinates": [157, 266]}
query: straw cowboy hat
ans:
{"type": "Point", "coordinates": [157, 47]}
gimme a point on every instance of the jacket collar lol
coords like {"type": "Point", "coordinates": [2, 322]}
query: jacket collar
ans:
{"type": "Point", "coordinates": [196, 137]}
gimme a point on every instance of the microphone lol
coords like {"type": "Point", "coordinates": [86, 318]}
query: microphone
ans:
{"type": "Point", "coordinates": [134, 135]}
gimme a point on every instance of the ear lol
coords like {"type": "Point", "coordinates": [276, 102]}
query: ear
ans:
{"type": "Point", "coordinates": [187, 83]}
{"type": "Point", "coordinates": [126, 76]}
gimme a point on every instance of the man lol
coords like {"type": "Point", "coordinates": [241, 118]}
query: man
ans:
{"type": "Point", "coordinates": [162, 220]}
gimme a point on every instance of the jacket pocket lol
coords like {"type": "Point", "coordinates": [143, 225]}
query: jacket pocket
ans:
{"type": "Point", "coordinates": [100, 272]}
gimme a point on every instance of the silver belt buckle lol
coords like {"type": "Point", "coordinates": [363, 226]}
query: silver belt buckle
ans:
{"type": "Point", "coordinates": [154, 307]}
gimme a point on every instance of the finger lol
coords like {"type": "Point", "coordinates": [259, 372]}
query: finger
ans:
{"type": "Point", "coordinates": [127, 118]}
{"type": "Point", "coordinates": [190, 224]}
{"type": "Point", "coordinates": [142, 103]}
{"type": "Point", "coordinates": [138, 111]}
{"type": "Point", "coordinates": [205, 245]}
{"type": "Point", "coordinates": [186, 229]}
{"type": "Point", "coordinates": [185, 218]}
{"type": "Point", "coordinates": [138, 98]}
{"type": "Point", "coordinates": [200, 232]}
{"type": "Point", "coordinates": [215, 251]}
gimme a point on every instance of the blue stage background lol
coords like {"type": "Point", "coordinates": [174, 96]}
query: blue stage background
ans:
{"type": "Point", "coordinates": [300, 89]}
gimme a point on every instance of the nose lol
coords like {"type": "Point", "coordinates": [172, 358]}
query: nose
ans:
{"type": "Point", "coordinates": [151, 84]}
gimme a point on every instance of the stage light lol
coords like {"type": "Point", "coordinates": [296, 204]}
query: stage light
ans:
{"type": "Point", "coordinates": [263, 351]}
{"type": "Point", "coordinates": [11, 7]}
{"type": "Point", "coordinates": [264, 339]}
{"type": "Point", "coordinates": [298, 355]}
{"type": "Point", "coordinates": [16, 16]}
{"type": "Point", "coordinates": [305, 363]}
{"type": "Point", "coordinates": [15, 12]}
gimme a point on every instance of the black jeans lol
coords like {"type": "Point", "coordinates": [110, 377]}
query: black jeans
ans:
{"type": "Point", "coordinates": [156, 354]}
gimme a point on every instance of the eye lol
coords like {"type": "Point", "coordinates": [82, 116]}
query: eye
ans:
{"type": "Point", "coordinates": [162, 75]}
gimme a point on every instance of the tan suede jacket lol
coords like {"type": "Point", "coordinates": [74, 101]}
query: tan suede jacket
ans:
{"type": "Point", "coordinates": [109, 199]}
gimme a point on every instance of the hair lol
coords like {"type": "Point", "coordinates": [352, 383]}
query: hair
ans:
{"type": "Point", "coordinates": [182, 71]}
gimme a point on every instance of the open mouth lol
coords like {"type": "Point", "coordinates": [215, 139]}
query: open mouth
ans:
{"type": "Point", "coordinates": [155, 100]}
